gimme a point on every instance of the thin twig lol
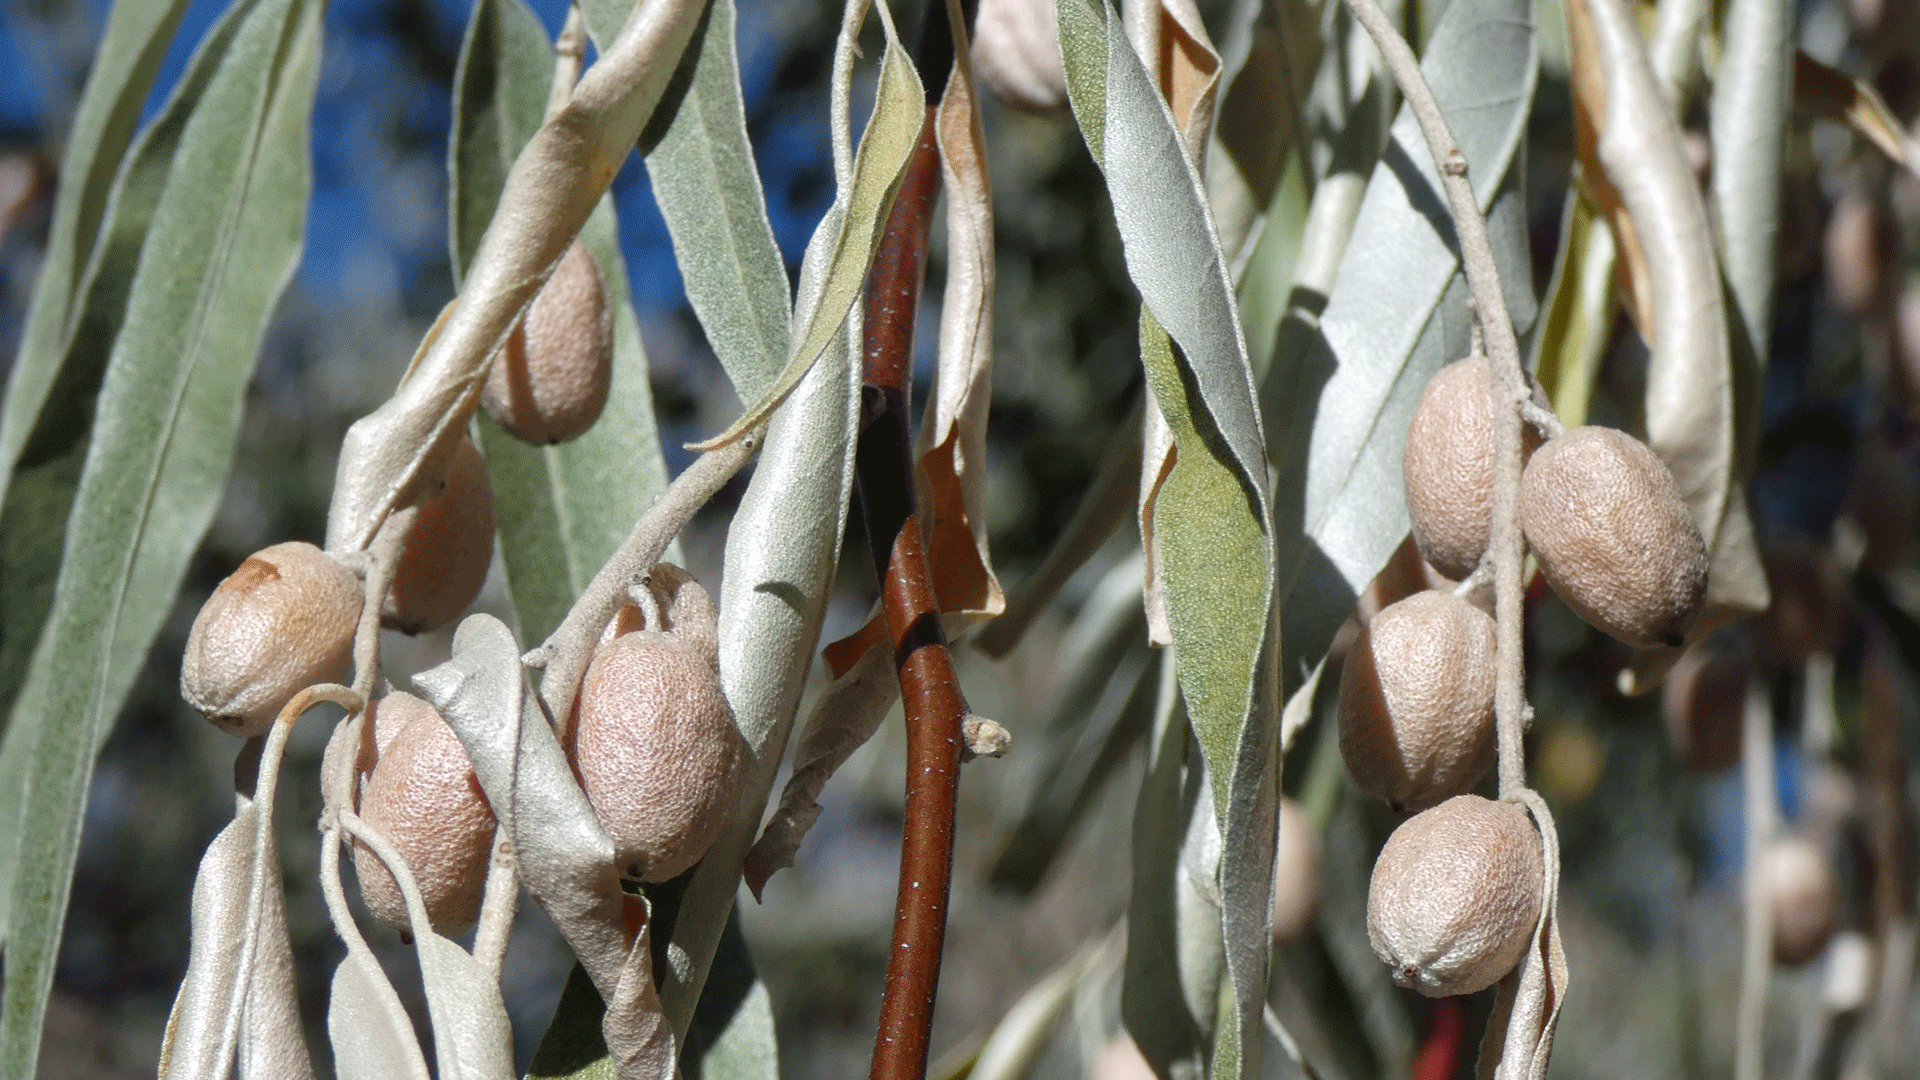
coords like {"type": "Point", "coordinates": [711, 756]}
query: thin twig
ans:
{"type": "Point", "coordinates": [569, 49]}
{"type": "Point", "coordinates": [567, 651]}
{"type": "Point", "coordinates": [1509, 383]}
{"type": "Point", "coordinates": [1756, 773]}
{"type": "Point", "coordinates": [498, 905]}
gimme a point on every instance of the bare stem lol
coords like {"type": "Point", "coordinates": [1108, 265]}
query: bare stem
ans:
{"type": "Point", "coordinates": [1509, 389]}
{"type": "Point", "coordinates": [497, 905]}
{"type": "Point", "coordinates": [567, 651]}
{"type": "Point", "coordinates": [568, 51]}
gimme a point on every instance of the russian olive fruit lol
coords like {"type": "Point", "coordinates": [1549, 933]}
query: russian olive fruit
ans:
{"type": "Point", "coordinates": [445, 560]}
{"type": "Point", "coordinates": [1455, 896]}
{"type": "Point", "coordinates": [280, 623]}
{"type": "Point", "coordinates": [549, 382]}
{"type": "Point", "coordinates": [422, 796]}
{"type": "Point", "coordinates": [1613, 537]}
{"type": "Point", "coordinates": [1804, 897]}
{"type": "Point", "coordinates": [1448, 466]}
{"type": "Point", "coordinates": [653, 740]}
{"type": "Point", "coordinates": [1416, 701]}
{"type": "Point", "coordinates": [1296, 874]}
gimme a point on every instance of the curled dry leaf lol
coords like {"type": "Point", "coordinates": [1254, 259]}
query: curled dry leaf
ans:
{"type": "Point", "coordinates": [842, 721]}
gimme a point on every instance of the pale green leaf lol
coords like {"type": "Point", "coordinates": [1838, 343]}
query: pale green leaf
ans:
{"type": "Point", "coordinates": [191, 1047]}
{"type": "Point", "coordinates": [136, 40]}
{"type": "Point", "coordinates": [1578, 320]}
{"type": "Point", "coordinates": [1215, 551]}
{"type": "Point", "coordinates": [732, 1036]}
{"type": "Point", "coordinates": [223, 240]}
{"type": "Point", "coordinates": [893, 130]}
{"type": "Point", "coordinates": [708, 189]}
{"type": "Point", "coordinates": [561, 510]}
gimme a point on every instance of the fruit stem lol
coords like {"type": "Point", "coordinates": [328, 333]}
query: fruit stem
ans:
{"type": "Point", "coordinates": [1509, 387]}
{"type": "Point", "coordinates": [566, 652]}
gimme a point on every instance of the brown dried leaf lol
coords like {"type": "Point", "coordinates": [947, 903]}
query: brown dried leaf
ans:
{"type": "Point", "coordinates": [843, 720]}
{"type": "Point", "coordinates": [1832, 95]}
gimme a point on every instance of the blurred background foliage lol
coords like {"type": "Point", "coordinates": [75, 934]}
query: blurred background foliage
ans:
{"type": "Point", "coordinates": [1652, 851]}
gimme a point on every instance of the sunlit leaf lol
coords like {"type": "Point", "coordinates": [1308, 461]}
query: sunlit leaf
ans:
{"type": "Point", "coordinates": [732, 1037]}
{"type": "Point", "coordinates": [371, 1034]}
{"type": "Point", "coordinates": [708, 188]}
{"type": "Point", "coordinates": [1832, 95]}
{"type": "Point", "coordinates": [859, 215]}
{"type": "Point", "coordinates": [1578, 321]}
{"type": "Point", "coordinates": [221, 243]}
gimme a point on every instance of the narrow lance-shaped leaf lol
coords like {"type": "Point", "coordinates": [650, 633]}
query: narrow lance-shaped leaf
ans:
{"type": "Point", "coordinates": [1832, 95]}
{"type": "Point", "coordinates": [137, 36]}
{"type": "Point", "coordinates": [1216, 555]}
{"type": "Point", "coordinates": [708, 189]}
{"type": "Point", "coordinates": [1579, 312]}
{"type": "Point", "coordinates": [562, 510]}
{"type": "Point", "coordinates": [222, 242]}
{"type": "Point", "coordinates": [899, 111]}
{"type": "Point", "coordinates": [781, 552]}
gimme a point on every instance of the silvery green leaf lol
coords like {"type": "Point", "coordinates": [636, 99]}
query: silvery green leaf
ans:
{"type": "Point", "coordinates": [565, 858]}
{"type": "Point", "coordinates": [472, 1037]}
{"type": "Point", "coordinates": [708, 188]}
{"type": "Point", "coordinates": [1752, 99]}
{"type": "Point", "coordinates": [371, 1034]}
{"type": "Point", "coordinates": [732, 1036]}
{"type": "Point", "coordinates": [222, 240]}
{"type": "Point", "coordinates": [191, 1047]}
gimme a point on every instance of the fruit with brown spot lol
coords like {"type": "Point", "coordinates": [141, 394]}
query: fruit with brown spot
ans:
{"type": "Point", "coordinates": [421, 795]}
{"type": "Point", "coordinates": [445, 560]}
{"type": "Point", "coordinates": [1455, 896]}
{"type": "Point", "coordinates": [1416, 701]}
{"type": "Point", "coordinates": [1613, 537]}
{"type": "Point", "coordinates": [549, 381]}
{"type": "Point", "coordinates": [654, 741]}
{"type": "Point", "coordinates": [280, 623]}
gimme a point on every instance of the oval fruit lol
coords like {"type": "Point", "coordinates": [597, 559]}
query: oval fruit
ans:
{"type": "Point", "coordinates": [549, 381]}
{"type": "Point", "coordinates": [654, 741]}
{"type": "Point", "coordinates": [1416, 701]}
{"type": "Point", "coordinates": [1804, 897]}
{"type": "Point", "coordinates": [445, 560]}
{"type": "Point", "coordinates": [1612, 536]}
{"type": "Point", "coordinates": [1448, 466]}
{"type": "Point", "coordinates": [1705, 699]}
{"type": "Point", "coordinates": [422, 796]}
{"type": "Point", "coordinates": [1016, 49]}
{"type": "Point", "coordinates": [281, 622]}
{"type": "Point", "coordinates": [1455, 896]}
{"type": "Point", "coordinates": [1296, 874]}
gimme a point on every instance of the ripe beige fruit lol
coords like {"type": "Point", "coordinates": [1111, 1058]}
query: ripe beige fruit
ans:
{"type": "Point", "coordinates": [1455, 896]}
{"type": "Point", "coordinates": [447, 553]}
{"type": "Point", "coordinates": [1606, 522]}
{"type": "Point", "coordinates": [422, 796]}
{"type": "Point", "coordinates": [1120, 1059]}
{"type": "Point", "coordinates": [1016, 49]}
{"type": "Point", "coordinates": [1804, 897]}
{"type": "Point", "coordinates": [1704, 700]}
{"type": "Point", "coordinates": [1416, 701]}
{"type": "Point", "coordinates": [653, 741]}
{"type": "Point", "coordinates": [1448, 466]}
{"type": "Point", "coordinates": [549, 382]}
{"type": "Point", "coordinates": [1862, 247]}
{"type": "Point", "coordinates": [1296, 874]}
{"type": "Point", "coordinates": [280, 623]}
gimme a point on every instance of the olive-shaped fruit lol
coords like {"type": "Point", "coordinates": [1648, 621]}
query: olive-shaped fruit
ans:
{"type": "Point", "coordinates": [549, 382]}
{"type": "Point", "coordinates": [1705, 699]}
{"type": "Point", "coordinates": [447, 553]}
{"type": "Point", "coordinates": [1455, 896]}
{"type": "Point", "coordinates": [280, 623]}
{"type": "Point", "coordinates": [1804, 897]}
{"type": "Point", "coordinates": [654, 741]}
{"type": "Point", "coordinates": [1016, 49]}
{"type": "Point", "coordinates": [1296, 874]}
{"type": "Point", "coordinates": [422, 796]}
{"type": "Point", "coordinates": [1448, 466]}
{"type": "Point", "coordinates": [1416, 701]}
{"type": "Point", "coordinates": [1613, 537]}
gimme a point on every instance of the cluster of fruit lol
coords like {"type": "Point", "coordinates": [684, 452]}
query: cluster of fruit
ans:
{"type": "Point", "coordinates": [651, 738]}
{"type": "Point", "coordinates": [1457, 891]}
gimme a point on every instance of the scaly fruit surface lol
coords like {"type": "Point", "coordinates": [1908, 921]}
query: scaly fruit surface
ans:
{"type": "Point", "coordinates": [445, 560]}
{"type": "Point", "coordinates": [549, 382]}
{"type": "Point", "coordinates": [1447, 466]}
